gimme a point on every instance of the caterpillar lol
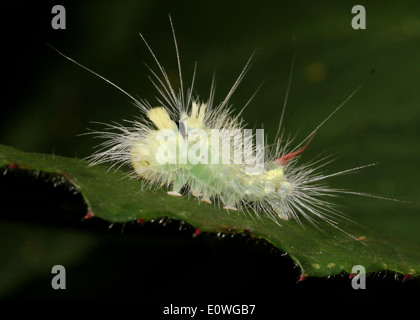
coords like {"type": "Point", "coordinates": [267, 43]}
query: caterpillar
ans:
{"type": "Point", "coordinates": [172, 146]}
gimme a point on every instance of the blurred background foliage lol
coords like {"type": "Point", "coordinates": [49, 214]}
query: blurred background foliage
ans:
{"type": "Point", "coordinates": [47, 102]}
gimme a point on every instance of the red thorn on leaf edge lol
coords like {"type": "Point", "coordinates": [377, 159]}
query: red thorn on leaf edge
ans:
{"type": "Point", "coordinates": [351, 275]}
{"type": "Point", "coordinates": [141, 220]}
{"type": "Point", "coordinates": [406, 277]}
{"type": "Point", "coordinates": [302, 277]}
{"type": "Point", "coordinates": [13, 166]}
{"type": "Point", "coordinates": [88, 215]}
{"type": "Point", "coordinates": [196, 232]}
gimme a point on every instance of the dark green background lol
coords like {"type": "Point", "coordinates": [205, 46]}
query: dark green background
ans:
{"type": "Point", "coordinates": [47, 101]}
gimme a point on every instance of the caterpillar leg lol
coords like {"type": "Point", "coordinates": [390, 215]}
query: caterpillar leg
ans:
{"type": "Point", "coordinates": [174, 193]}
{"type": "Point", "coordinates": [205, 197]}
{"type": "Point", "coordinates": [230, 206]}
{"type": "Point", "coordinates": [206, 200]}
{"type": "Point", "coordinates": [176, 189]}
{"type": "Point", "coordinates": [283, 216]}
{"type": "Point", "coordinates": [195, 193]}
{"type": "Point", "coordinates": [280, 212]}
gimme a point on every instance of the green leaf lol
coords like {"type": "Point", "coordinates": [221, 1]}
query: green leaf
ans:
{"type": "Point", "coordinates": [321, 252]}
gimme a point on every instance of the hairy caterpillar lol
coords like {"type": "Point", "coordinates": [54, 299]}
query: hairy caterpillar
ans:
{"type": "Point", "coordinates": [282, 188]}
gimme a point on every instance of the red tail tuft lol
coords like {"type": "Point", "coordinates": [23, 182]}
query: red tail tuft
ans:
{"type": "Point", "coordinates": [287, 157]}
